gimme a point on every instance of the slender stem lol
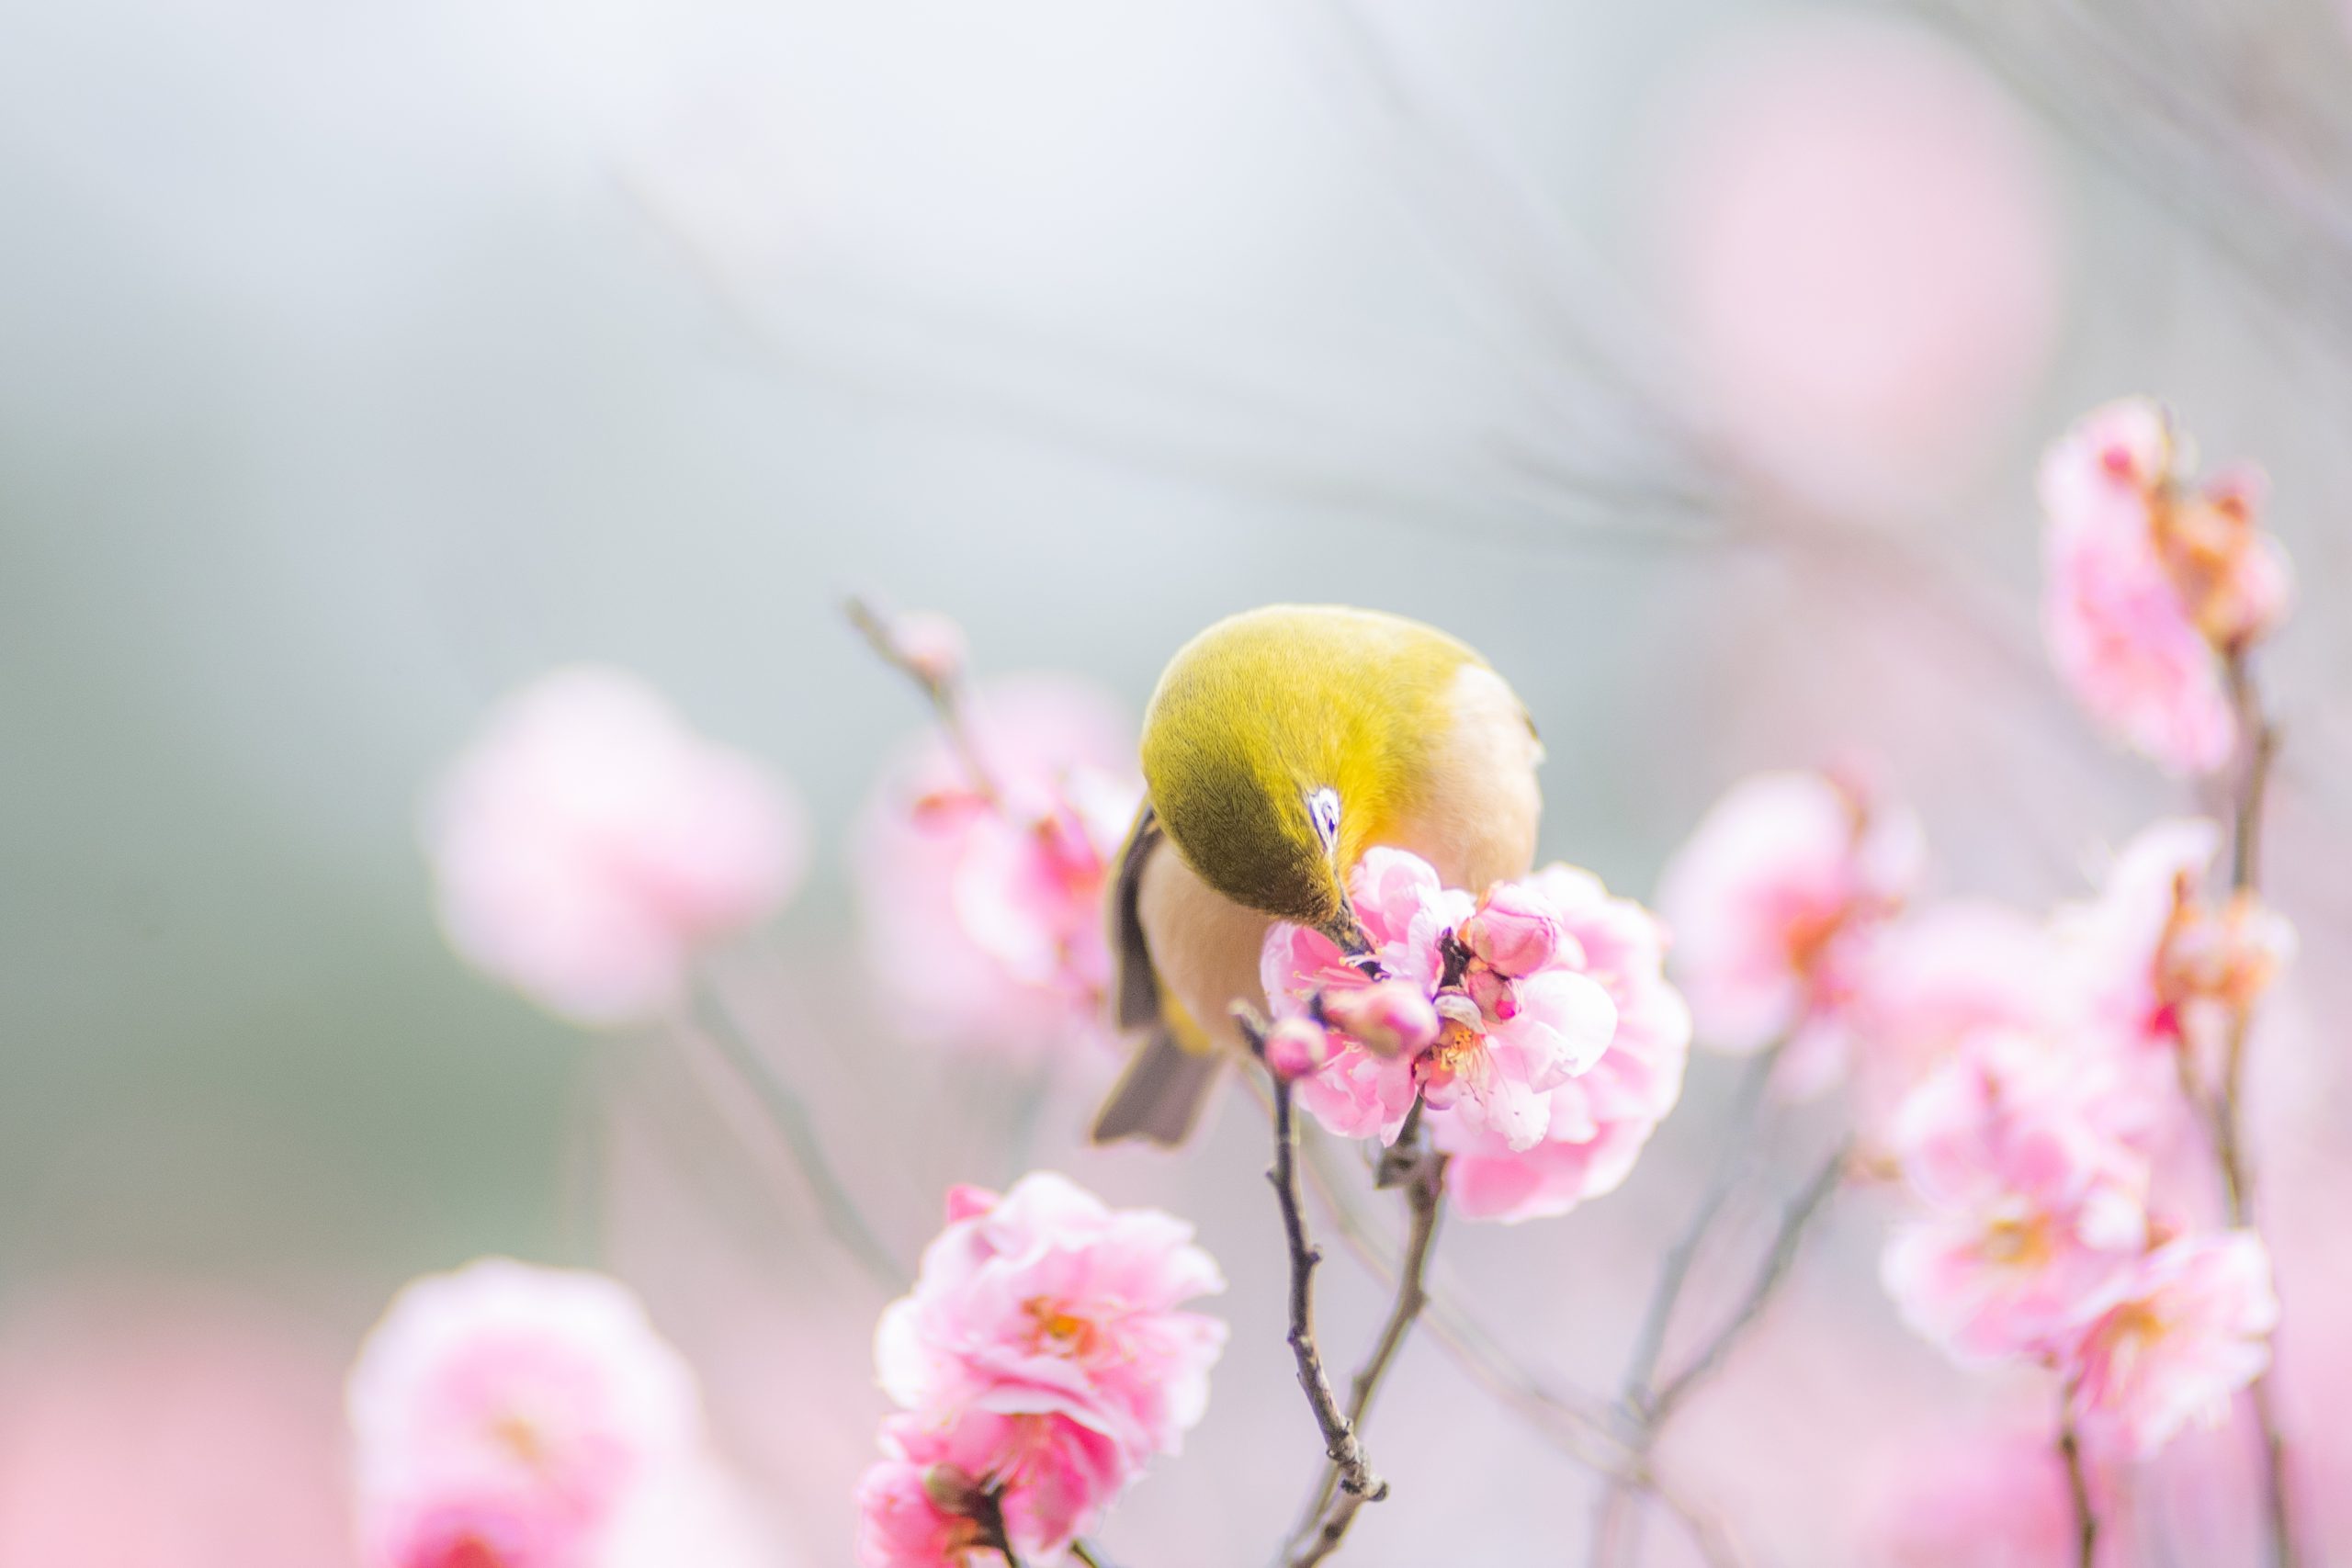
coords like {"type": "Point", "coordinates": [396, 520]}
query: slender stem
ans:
{"type": "Point", "coordinates": [1786, 1241]}
{"type": "Point", "coordinates": [988, 1512]}
{"type": "Point", "coordinates": [2070, 1450]}
{"type": "Point", "coordinates": [942, 692]}
{"type": "Point", "coordinates": [790, 1114]}
{"type": "Point", "coordinates": [1649, 1343]}
{"type": "Point", "coordinates": [1614, 1524]}
{"type": "Point", "coordinates": [1090, 1554]}
{"type": "Point", "coordinates": [2258, 739]}
{"type": "Point", "coordinates": [1423, 1179]}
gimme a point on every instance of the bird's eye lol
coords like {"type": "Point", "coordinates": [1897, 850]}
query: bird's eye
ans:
{"type": "Point", "coordinates": [1323, 810]}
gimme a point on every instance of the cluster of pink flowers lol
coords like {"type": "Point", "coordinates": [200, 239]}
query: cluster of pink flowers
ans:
{"type": "Point", "coordinates": [1777, 903]}
{"type": "Point", "coordinates": [2031, 1150]}
{"type": "Point", "coordinates": [2022, 1077]}
{"type": "Point", "coordinates": [990, 857]}
{"type": "Point", "coordinates": [1534, 1024]}
{"type": "Point", "coordinates": [588, 842]}
{"type": "Point", "coordinates": [507, 1415]}
{"type": "Point", "coordinates": [1043, 1358]}
{"type": "Point", "coordinates": [2154, 582]}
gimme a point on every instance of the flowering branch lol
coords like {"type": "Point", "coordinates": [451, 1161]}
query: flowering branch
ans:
{"type": "Point", "coordinates": [2070, 1450]}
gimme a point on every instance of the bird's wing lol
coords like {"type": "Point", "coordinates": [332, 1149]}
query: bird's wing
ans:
{"type": "Point", "coordinates": [1135, 988]}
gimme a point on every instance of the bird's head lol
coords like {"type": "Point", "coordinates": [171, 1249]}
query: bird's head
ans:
{"type": "Point", "coordinates": [1281, 745]}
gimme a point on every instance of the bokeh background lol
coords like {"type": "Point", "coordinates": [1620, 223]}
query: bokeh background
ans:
{"type": "Point", "coordinates": [359, 363]}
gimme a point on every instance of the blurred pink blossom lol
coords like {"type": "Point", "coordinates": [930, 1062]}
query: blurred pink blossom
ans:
{"type": "Point", "coordinates": [1932, 978]}
{"type": "Point", "coordinates": [147, 1426]}
{"type": "Point", "coordinates": [2156, 967]}
{"type": "Point", "coordinates": [1773, 902]}
{"type": "Point", "coordinates": [2149, 584]}
{"type": "Point", "coordinates": [1505, 1042]}
{"type": "Point", "coordinates": [587, 842]}
{"type": "Point", "coordinates": [2034, 1215]}
{"type": "Point", "coordinates": [981, 897]}
{"type": "Point", "coordinates": [507, 1408]}
{"type": "Point", "coordinates": [1600, 1119]}
{"type": "Point", "coordinates": [1861, 247]}
{"type": "Point", "coordinates": [2191, 1328]}
{"type": "Point", "coordinates": [1976, 1500]}
{"type": "Point", "coordinates": [1044, 1352]}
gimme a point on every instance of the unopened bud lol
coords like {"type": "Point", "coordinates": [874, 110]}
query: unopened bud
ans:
{"type": "Point", "coordinates": [1514, 931]}
{"type": "Point", "coordinates": [1387, 1018]}
{"type": "Point", "coordinates": [931, 645]}
{"type": "Point", "coordinates": [1296, 1047]}
{"type": "Point", "coordinates": [949, 1489]}
{"type": "Point", "coordinates": [1497, 997]}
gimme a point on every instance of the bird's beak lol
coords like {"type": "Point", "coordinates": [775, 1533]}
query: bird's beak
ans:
{"type": "Point", "coordinates": [1347, 933]}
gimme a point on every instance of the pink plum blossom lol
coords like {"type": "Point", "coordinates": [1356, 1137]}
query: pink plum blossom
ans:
{"type": "Point", "coordinates": [2191, 1328]}
{"type": "Point", "coordinates": [587, 842]}
{"type": "Point", "coordinates": [2151, 584]}
{"type": "Point", "coordinates": [1045, 1300]}
{"type": "Point", "coordinates": [1505, 1040]}
{"type": "Point", "coordinates": [1773, 902]}
{"type": "Point", "coordinates": [1044, 1356]}
{"type": "Point", "coordinates": [981, 894]}
{"type": "Point", "coordinates": [2034, 1216]}
{"type": "Point", "coordinates": [511, 1412]}
{"type": "Point", "coordinates": [1600, 1119]}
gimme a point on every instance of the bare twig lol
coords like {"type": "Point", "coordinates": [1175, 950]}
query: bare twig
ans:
{"type": "Point", "coordinates": [2259, 739]}
{"type": "Point", "coordinates": [1421, 1174]}
{"type": "Point", "coordinates": [943, 691]}
{"type": "Point", "coordinates": [1794, 1221]}
{"type": "Point", "coordinates": [2070, 1450]}
{"type": "Point", "coordinates": [789, 1115]}
{"type": "Point", "coordinates": [1090, 1554]}
{"type": "Point", "coordinates": [1339, 1436]}
{"type": "Point", "coordinates": [1612, 1522]}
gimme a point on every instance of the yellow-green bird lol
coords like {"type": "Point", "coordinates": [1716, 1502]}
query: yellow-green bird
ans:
{"type": "Point", "coordinates": [1281, 744]}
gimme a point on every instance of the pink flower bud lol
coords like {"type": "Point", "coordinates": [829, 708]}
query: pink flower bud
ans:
{"type": "Point", "coordinates": [1387, 1018]}
{"type": "Point", "coordinates": [931, 645]}
{"type": "Point", "coordinates": [1497, 997]}
{"type": "Point", "coordinates": [1514, 931]}
{"type": "Point", "coordinates": [1296, 1047]}
{"type": "Point", "coordinates": [949, 1489]}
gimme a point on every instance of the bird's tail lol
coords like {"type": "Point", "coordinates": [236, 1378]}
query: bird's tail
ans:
{"type": "Point", "coordinates": [1160, 1095]}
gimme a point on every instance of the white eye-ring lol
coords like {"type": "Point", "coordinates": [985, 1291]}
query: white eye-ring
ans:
{"type": "Point", "coordinates": [1323, 810]}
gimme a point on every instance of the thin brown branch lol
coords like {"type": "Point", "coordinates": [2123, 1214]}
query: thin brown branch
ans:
{"type": "Point", "coordinates": [2258, 741]}
{"type": "Point", "coordinates": [1795, 1220]}
{"type": "Point", "coordinates": [1420, 1171]}
{"type": "Point", "coordinates": [943, 691]}
{"type": "Point", "coordinates": [796, 1129]}
{"type": "Point", "coordinates": [1613, 1523]}
{"type": "Point", "coordinates": [1090, 1554]}
{"type": "Point", "coordinates": [2070, 1450]}
{"type": "Point", "coordinates": [1357, 1480]}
